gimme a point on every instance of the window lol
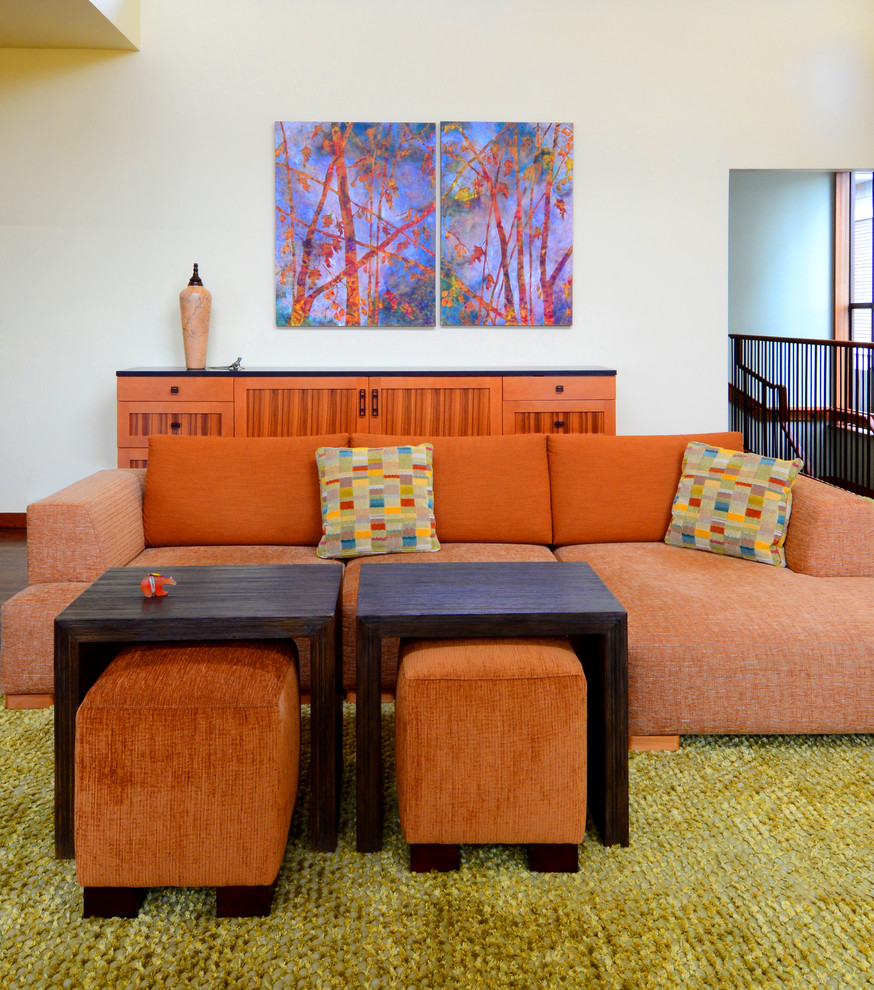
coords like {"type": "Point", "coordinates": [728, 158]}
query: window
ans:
{"type": "Point", "coordinates": [861, 243]}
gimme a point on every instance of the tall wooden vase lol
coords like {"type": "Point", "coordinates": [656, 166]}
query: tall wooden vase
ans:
{"type": "Point", "coordinates": [194, 304]}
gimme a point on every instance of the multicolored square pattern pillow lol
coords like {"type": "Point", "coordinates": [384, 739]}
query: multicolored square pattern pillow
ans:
{"type": "Point", "coordinates": [376, 500]}
{"type": "Point", "coordinates": [733, 503]}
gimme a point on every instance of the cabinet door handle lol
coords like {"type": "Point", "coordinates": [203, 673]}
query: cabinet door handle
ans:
{"type": "Point", "coordinates": [558, 422]}
{"type": "Point", "coordinates": [362, 402]}
{"type": "Point", "coordinates": [174, 390]}
{"type": "Point", "coordinates": [374, 402]}
{"type": "Point", "coordinates": [175, 426]}
{"type": "Point", "coordinates": [559, 388]}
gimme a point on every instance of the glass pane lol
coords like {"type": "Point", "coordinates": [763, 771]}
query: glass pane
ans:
{"type": "Point", "coordinates": [861, 325]}
{"type": "Point", "coordinates": [861, 276]}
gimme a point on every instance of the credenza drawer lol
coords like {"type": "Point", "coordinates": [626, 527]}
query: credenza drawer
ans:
{"type": "Point", "coordinates": [559, 387]}
{"type": "Point", "coordinates": [179, 389]}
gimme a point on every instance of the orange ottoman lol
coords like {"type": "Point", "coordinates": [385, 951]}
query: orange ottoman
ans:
{"type": "Point", "coordinates": [490, 742]}
{"type": "Point", "coordinates": [186, 774]}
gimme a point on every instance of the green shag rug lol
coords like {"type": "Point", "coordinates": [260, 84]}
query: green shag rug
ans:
{"type": "Point", "coordinates": [751, 864]}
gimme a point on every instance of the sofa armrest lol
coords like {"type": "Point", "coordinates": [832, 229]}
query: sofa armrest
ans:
{"type": "Point", "coordinates": [75, 534]}
{"type": "Point", "coordinates": [830, 532]}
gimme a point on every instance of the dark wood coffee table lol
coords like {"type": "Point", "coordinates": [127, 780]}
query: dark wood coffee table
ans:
{"type": "Point", "coordinates": [440, 600]}
{"type": "Point", "coordinates": [207, 603]}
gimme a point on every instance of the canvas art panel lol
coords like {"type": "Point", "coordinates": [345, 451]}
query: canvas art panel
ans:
{"type": "Point", "coordinates": [355, 224]}
{"type": "Point", "coordinates": [506, 224]}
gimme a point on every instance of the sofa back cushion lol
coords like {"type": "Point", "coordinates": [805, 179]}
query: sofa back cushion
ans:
{"type": "Point", "coordinates": [608, 489]}
{"type": "Point", "coordinates": [233, 491]}
{"type": "Point", "coordinates": [491, 489]}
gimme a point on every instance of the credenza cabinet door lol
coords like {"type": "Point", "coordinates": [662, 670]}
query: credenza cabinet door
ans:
{"type": "Point", "coordinates": [296, 407]}
{"type": "Point", "coordinates": [435, 406]}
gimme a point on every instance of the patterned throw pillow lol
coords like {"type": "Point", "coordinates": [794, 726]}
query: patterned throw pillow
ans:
{"type": "Point", "coordinates": [733, 503]}
{"type": "Point", "coordinates": [376, 500]}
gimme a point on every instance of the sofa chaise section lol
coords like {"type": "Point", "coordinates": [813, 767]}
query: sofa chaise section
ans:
{"type": "Point", "coordinates": [722, 645]}
{"type": "Point", "coordinates": [717, 644]}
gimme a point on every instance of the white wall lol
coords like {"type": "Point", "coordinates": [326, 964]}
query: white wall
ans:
{"type": "Point", "coordinates": [119, 170]}
{"type": "Point", "coordinates": [781, 253]}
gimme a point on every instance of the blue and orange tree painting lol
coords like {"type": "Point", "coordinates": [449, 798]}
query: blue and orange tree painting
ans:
{"type": "Point", "coordinates": [355, 226]}
{"type": "Point", "coordinates": [507, 224]}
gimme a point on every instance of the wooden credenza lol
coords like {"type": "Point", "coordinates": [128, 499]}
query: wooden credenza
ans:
{"type": "Point", "coordinates": [276, 402]}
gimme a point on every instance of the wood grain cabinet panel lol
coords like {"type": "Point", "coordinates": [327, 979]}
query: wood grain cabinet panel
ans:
{"type": "Point", "coordinates": [137, 421]}
{"type": "Point", "coordinates": [297, 407]}
{"type": "Point", "coordinates": [133, 457]}
{"type": "Point", "coordinates": [435, 406]}
{"type": "Point", "coordinates": [204, 419]}
{"type": "Point", "coordinates": [557, 417]}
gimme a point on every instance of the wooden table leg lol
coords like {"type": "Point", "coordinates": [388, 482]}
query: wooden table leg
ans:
{"type": "Point", "coordinates": [66, 704]}
{"type": "Point", "coordinates": [605, 662]}
{"type": "Point", "coordinates": [368, 718]}
{"type": "Point", "coordinates": [325, 752]}
{"type": "Point", "coordinates": [614, 648]}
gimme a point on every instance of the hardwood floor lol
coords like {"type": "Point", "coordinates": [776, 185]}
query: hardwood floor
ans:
{"type": "Point", "coordinates": [13, 563]}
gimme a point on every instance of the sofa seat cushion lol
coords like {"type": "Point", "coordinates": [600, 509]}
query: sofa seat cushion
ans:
{"type": "Point", "coordinates": [156, 557]}
{"type": "Point", "coordinates": [716, 645]}
{"type": "Point", "coordinates": [449, 552]}
{"type": "Point", "coordinates": [164, 559]}
{"type": "Point", "coordinates": [27, 649]}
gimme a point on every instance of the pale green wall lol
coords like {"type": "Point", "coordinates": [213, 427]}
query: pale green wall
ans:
{"type": "Point", "coordinates": [781, 253]}
{"type": "Point", "coordinates": [119, 170]}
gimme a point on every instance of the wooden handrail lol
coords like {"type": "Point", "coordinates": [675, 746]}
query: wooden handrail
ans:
{"type": "Point", "coordinates": [782, 410]}
{"type": "Point", "coordinates": [844, 344]}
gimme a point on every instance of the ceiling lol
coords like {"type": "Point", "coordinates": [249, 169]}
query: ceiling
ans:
{"type": "Point", "coordinates": [113, 24]}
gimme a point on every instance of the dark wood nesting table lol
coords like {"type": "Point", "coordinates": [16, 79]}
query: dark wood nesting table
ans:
{"type": "Point", "coordinates": [208, 603]}
{"type": "Point", "coordinates": [440, 600]}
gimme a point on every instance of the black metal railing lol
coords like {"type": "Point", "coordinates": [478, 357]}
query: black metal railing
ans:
{"type": "Point", "coordinates": [812, 399]}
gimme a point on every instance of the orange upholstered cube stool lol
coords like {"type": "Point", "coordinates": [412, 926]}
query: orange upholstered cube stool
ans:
{"type": "Point", "coordinates": [187, 759]}
{"type": "Point", "coordinates": [490, 742]}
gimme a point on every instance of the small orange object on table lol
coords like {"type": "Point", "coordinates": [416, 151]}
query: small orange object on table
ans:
{"type": "Point", "coordinates": [153, 585]}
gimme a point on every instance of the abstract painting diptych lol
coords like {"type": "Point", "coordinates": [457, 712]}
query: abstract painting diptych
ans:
{"type": "Point", "coordinates": [356, 218]}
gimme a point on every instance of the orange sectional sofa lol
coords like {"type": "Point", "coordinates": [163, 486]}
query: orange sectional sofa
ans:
{"type": "Point", "coordinates": [716, 644]}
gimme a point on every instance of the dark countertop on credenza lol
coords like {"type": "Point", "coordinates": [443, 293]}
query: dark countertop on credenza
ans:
{"type": "Point", "coordinates": [219, 372]}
